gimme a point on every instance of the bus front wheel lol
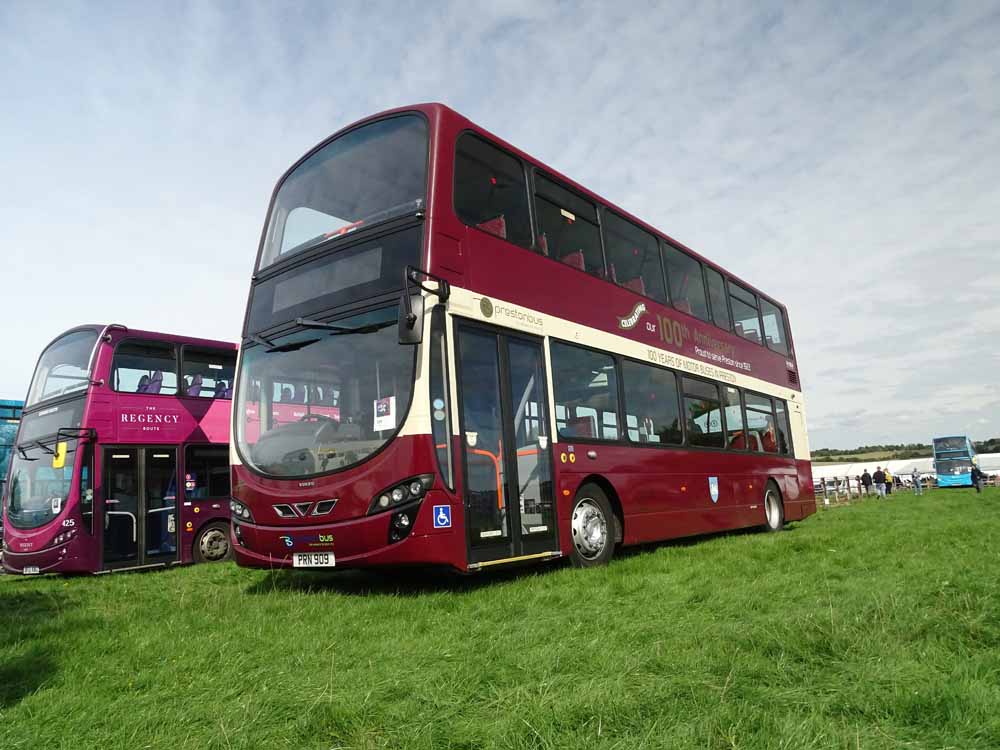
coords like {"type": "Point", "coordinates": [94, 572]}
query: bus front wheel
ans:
{"type": "Point", "coordinates": [212, 544]}
{"type": "Point", "coordinates": [774, 508]}
{"type": "Point", "coordinates": [592, 528]}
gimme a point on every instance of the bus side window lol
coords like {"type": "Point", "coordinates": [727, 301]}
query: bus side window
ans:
{"type": "Point", "coordinates": [760, 422]}
{"type": "Point", "coordinates": [568, 229]}
{"type": "Point", "coordinates": [206, 472]}
{"type": "Point", "coordinates": [735, 424]}
{"type": "Point", "coordinates": [746, 317]}
{"type": "Point", "coordinates": [651, 404]}
{"type": "Point", "coordinates": [687, 287]}
{"type": "Point", "coordinates": [718, 298]}
{"type": "Point", "coordinates": [774, 327]}
{"type": "Point", "coordinates": [633, 257]}
{"type": "Point", "coordinates": [703, 413]}
{"type": "Point", "coordinates": [586, 393]}
{"type": "Point", "coordinates": [784, 427]}
{"type": "Point", "coordinates": [491, 193]}
{"type": "Point", "coordinates": [156, 361]}
{"type": "Point", "coordinates": [208, 373]}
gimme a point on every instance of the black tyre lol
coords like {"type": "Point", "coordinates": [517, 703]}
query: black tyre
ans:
{"type": "Point", "coordinates": [212, 543]}
{"type": "Point", "coordinates": [774, 508]}
{"type": "Point", "coordinates": [593, 528]}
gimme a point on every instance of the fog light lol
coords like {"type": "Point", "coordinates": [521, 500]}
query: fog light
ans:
{"type": "Point", "coordinates": [403, 521]}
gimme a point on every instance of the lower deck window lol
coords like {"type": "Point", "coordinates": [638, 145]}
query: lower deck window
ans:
{"type": "Point", "coordinates": [586, 393]}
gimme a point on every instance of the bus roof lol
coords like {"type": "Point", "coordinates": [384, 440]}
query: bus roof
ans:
{"type": "Point", "coordinates": [437, 112]}
{"type": "Point", "coordinates": [154, 335]}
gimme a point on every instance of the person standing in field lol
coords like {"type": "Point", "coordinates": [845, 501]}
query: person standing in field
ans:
{"type": "Point", "coordinates": [888, 481]}
{"type": "Point", "coordinates": [918, 488]}
{"type": "Point", "coordinates": [866, 482]}
{"type": "Point", "coordinates": [879, 479]}
{"type": "Point", "coordinates": [977, 479]}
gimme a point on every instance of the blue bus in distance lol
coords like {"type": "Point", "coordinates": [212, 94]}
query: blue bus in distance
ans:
{"type": "Point", "coordinates": [953, 460]}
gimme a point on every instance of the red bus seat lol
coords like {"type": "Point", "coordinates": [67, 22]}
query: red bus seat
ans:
{"type": "Point", "coordinates": [496, 225]}
{"type": "Point", "coordinates": [581, 426]}
{"type": "Point", "coordinates": [636, 285]}
{"type": "Point", "coordinates": [541, 244]}
{"type": "Point", "coordinates": [683, 305]}
{"type": "Point", "coordinates": [575, 260]}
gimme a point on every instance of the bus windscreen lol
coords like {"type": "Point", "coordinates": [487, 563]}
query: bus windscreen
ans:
{"type": "Point", "coordinates": [368, 175]}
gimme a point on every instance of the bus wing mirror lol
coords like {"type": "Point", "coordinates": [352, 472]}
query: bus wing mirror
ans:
{"type": "Point", "coordinates": [411, 319]}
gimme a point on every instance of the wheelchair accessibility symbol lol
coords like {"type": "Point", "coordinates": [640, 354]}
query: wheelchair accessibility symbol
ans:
{"type": "Point", "coordinates": [442, 516]}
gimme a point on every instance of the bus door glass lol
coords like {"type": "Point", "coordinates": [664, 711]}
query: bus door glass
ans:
{"type": "Point", "coordinates": [121, 507]}
{"type": "Point", "coordinates": [506, 446]}
{"type": "Point", "coordinates": [159, 507]}
{"type": "Point", "coordinates": [140, 506]}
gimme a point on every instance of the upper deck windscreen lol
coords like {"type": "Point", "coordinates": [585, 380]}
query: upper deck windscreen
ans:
{"type": "Point", "coordinates": [370, 174]}
{"type": "Point", "coordinates": [64, 367]}
{"type": "Point", "coordinates": [949, 444]}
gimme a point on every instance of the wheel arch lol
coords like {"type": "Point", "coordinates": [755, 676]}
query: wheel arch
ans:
{"type": "Point", "coordinates": [612, 495]}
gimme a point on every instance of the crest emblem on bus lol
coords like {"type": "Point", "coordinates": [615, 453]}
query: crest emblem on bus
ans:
{"type": "Point", "coordinates": [486, 307]}
{"type": "Point", "coordinates": [629, 321]}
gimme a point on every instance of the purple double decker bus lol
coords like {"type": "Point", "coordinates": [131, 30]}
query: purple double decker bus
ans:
{"type": "Point", "coordinates": [121, 458]}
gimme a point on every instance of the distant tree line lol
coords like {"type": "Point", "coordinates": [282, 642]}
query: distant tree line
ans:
{"type": "Point", "coordinates": [900, 450]}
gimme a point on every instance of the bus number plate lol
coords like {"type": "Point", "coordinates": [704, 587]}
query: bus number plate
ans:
{"type": "Point", "coordinates": [313, 560]}
{"type": "Point", "coordinates": [31, 570]}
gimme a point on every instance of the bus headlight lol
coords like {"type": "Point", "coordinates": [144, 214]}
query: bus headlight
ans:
{"type": "Point", "coordinates": [239, 511]}
{"type": "Point", "coordinates": [63, 538]}
{"type": "Point", "coordinates": [406, 491]}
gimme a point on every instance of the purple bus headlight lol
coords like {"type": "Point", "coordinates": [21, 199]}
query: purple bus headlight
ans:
{"type": "Point", "coordinates": [63, 537]}
{"type": "Point", "coordinates": [239, 511]}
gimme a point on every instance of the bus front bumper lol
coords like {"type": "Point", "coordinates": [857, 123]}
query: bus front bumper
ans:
{"type": "Point", "coordinates": [355, 543]}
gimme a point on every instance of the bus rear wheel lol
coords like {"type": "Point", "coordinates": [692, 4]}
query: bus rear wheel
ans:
{"type": "Point", "coordinates": [592, 528]}
{"type": "Point", "coordinates": [774, 508]}
{"type": "Point", "coordinates": [212, 544]}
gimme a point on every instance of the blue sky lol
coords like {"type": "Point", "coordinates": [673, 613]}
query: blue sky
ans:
{"type": "Point", "coordinates": [844, 157]}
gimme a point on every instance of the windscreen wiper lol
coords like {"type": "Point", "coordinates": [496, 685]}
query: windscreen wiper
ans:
{"type": "Point", "coordinates": [24, 455]}
{"type": "Point", "coordinates": [291, 346]}
{"type": "Point", "coordinates": [45, 448]}
{"type": "Point", "coordinates": [258, 339]}
{"type": "Point", "coordinates": [337, 330]}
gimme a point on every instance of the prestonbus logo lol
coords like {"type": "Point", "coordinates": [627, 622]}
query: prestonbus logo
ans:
{"type": "Point", "coordinates": [637, 312]}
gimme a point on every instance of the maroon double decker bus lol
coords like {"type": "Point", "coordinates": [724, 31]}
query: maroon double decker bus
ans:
{"type": "Point", "coordinates": [121, 458]}
{"type": "Point", "coordinates": [453, 354]}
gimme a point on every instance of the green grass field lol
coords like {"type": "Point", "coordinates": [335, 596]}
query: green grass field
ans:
{"type": "Point", "coordinates": [875, 625]}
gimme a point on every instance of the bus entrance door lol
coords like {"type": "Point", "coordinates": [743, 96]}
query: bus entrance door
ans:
{"type": "Point", "coordinates": [140, 506]}
{"type": "Point", "coordinates": [509, 504]}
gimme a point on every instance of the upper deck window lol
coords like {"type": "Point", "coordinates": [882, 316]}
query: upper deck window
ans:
{"type": "Point", "coordinates": [63, 368]}
{"type": "Point", "coordinates": [208, 372]}
{"type": "Point", "coordinates": [687, 289]}
{"type": "Point", "coordinates": [717, 297]}
{"type": "Point", "coordinates": [633, 257]}
{"type": "Point", "coordinates": [745, 314]}
{"type": "Point", "coordinates": [568, 229]}
{"type": "Point", "coordinates": [368, 175]}
{"type": "Point", "coordinates": [774, 327]}
{"type": "Point", "coordinates": [490, 191]}
{"type": "Point", "coordinates": [145, 367]}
